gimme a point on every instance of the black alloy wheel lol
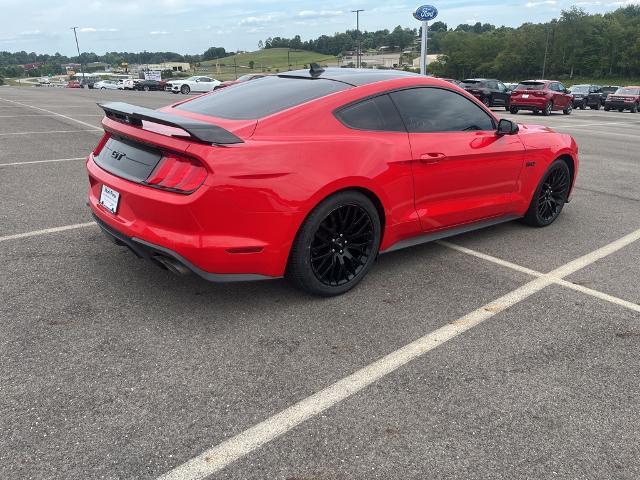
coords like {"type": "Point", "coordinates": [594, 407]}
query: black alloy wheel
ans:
{"type": "Point", "coordinates": [584, 105]}
{"type": "Point", "coordinates": [336, 245]}
{"type": "Point", "coordinates": [550, 196]}
{"type": "Point", "coordinates": [342, 245]}
{"type": "Point", "coordinates": [569, 109]}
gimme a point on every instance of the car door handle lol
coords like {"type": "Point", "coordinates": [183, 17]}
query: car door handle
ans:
{"type": "Point", "coordinates": [431, 157]}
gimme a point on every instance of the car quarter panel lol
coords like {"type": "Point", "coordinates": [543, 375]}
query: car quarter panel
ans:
{"type": "Point", "coordinates": [542, 147]}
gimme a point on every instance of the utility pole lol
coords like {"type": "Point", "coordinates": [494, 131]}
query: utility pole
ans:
{"type": "Point", "coordinates": [79, 57]}
{"type": "Point", "coordinates": [357, 12]}
{"type": "Point", "coordinates": [546, 49]}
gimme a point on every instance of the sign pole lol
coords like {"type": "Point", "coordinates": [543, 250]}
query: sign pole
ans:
{"type": "Point", "coordinates": [423, 53]}
{"type": "Point", "coordinates": [424, 14]}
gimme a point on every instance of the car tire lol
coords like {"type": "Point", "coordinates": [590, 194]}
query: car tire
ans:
{"type": "Point", "coordinates": [621, 110]}
{"type": "Point", "coordinates": [597, 106]}
{"type": "Point", "coordinates": [583, 106]}
{"type": "Point", "coordinates": [184, 89]}
{"type": "Point", "coordinates": [146, 88]}
{"type": "Point", "coordinates": [634, 109]}
{"type": "Point", "coordinates": [317, 262]}
{"type": "Point", "coordinates": [514, 110]}
{"type": "Point", "coordinates": [550, 196]}
{"type": "Point", "coordinates": [547, 109]}
{"type": "Point", "coordinates": [569, 109]}
{"type": "Point", "coordinates": [103, 88]}
{"type": "Point", "coordinates": [486, 101]}
{"type": "Point", "coordinates": [606, 109]}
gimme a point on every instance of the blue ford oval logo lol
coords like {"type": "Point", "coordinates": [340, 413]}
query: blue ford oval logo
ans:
{"type": "Point", "coordinates": [425, 13]}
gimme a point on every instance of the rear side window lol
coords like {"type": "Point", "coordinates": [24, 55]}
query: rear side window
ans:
{"type": "Point", "coordinates": [377, 113]}
{"type": "Point", "coordinates": [261, 97]}
{"type": "Point", "coordinates": [427, 110]}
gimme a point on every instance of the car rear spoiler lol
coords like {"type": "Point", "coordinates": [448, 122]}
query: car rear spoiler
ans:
{"type": "Point", "coordinates": [202, 131]}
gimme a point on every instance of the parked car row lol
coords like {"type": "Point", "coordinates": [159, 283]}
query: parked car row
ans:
{"type": "Point", "coordinates": [545, 96]}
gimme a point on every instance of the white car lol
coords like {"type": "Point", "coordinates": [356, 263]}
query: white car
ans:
{"type": "Point", "coordinates": [130, 83]}
{"type": "Point", "coordinates": [192, 84]}
{"type": "Point", "coordinates": [106, 85]}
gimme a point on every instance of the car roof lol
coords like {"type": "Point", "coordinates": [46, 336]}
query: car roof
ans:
{"type": "Point", "coordinates": [351, 76]}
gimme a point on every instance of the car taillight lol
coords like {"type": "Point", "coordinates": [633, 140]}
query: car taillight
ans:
{"type": "Point", "coordinates": [177, 173]}
{"type": "Point", "coordinates": [539, 93]}
{"type": "Point", "coordinates": [100, 145]}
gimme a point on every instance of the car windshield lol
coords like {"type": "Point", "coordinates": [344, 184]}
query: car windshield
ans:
{"type": "Point", "coordinates": [609, 89]}
{"type": "Point", "coordinates": [580, 89]}
{"type": "Point", "coordinates": [628, 91]}
{"type": "Point", "coordinates": [253, 100]}
{"type": "Point", "coordinates": [191, 79]}
{"type": "Point", "coordinates": [530, 86]}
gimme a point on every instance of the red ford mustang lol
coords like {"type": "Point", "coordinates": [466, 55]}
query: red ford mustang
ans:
{"type": "Point", "coordinates": [311, 174]}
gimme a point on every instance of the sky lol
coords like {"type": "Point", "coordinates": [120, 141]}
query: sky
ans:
{"type": "Point", "coordinates": [192, 26]}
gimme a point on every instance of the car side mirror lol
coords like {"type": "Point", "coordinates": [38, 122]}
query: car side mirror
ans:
{"type": "Point", "coordinates": [507, 127]}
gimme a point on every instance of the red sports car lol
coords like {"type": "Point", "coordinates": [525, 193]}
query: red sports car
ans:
{"type": "Point", "coordinates": [311, 174]}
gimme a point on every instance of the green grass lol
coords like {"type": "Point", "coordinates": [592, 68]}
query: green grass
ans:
{"type": "Point", "coordinates": [270, 60]}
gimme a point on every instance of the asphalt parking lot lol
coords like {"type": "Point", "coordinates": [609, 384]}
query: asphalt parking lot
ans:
{"type": "Point", "coordinates": [506, 353]}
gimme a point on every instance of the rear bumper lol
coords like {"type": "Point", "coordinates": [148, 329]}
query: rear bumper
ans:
{"type": "Point", "coordinates": [619, 104]}
{"type": "Point", "coordinates": [168, 259]}
{"type": "Point", "coordinates": [528, 104]}
{"type": "Point", "coordinates": [208, 231]}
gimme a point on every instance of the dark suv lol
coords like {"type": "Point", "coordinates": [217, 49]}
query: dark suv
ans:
{"type": "Point", "coordinates": [587, 96]}
{"type": "Point", "coordinates": [491, 92]}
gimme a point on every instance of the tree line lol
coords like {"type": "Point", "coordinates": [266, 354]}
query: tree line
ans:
{"type": "Point", "coordinates": [575, 45]}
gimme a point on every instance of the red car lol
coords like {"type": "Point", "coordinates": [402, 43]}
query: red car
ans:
{"type": "Point", "coordinates": [243, 78]}
{"type": "Point", "coordinates": [73, 84]}
{"type": "Point", "coordinates": [625, 98]}
{"type": "Point", "coordinates": [541, 96]}
{"type": "Point", "coordinates": [311, 174]}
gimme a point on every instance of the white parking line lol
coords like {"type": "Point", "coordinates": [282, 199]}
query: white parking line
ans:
{"type": "Point", "coordinates": [49, 131]}
{"type": "Point", "coordinates": [53, 113]}
{"type": "Point", "coordinates": [48, 115]}
{"type": "Point", "coordinates": [31, 162]}
{"type": "Point", "coordinates": [46, 231]}
{"type": "Point", "coordinates": [574, 286]}
{"type": "Point", "coordinates": [218, 457]}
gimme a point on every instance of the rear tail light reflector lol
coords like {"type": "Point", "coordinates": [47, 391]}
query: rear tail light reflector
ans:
{"type": "Point", "coordinates": [100, 145]}
{"type": "Point", "coordinates": [177, 173]}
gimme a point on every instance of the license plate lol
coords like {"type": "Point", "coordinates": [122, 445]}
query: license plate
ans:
{"type": "Point", "coordinates": [525, 95]}
{"type": "Point", "coordinates": [109, 199]}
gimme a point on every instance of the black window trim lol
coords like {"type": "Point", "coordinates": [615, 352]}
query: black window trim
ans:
{"type": "Point", "coordinates": [401, 89]}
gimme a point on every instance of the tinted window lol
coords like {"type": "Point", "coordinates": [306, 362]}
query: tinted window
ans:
{"type": "Point", "coordinates": [436, 110]}
{"type": "Point", "coordinates": [628, 91]}
{"type": "Point", "coordinates": [492, 85]}
{"type": "Point", "coordinates": [471, 84]}
{"type": "Point", "coordinates": [530, 86]}
{"type": "Point", "coordinates": [580, 89]}
{"type": "Point", "coordinates": [377, 113]}
{"type": "Point", "coordinates": [262, 97]}
{"type": "Point", "coordinates": [560, 87]}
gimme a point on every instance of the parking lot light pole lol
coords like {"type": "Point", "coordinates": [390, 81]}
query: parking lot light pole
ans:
{"type": "Point", "coordinates": [79, 57]}
{"type": "Point", "coordinates": [359, 47]}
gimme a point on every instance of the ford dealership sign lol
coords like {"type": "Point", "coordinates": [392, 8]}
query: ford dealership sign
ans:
{"type": "Point", "coordinates": [425, 13]}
